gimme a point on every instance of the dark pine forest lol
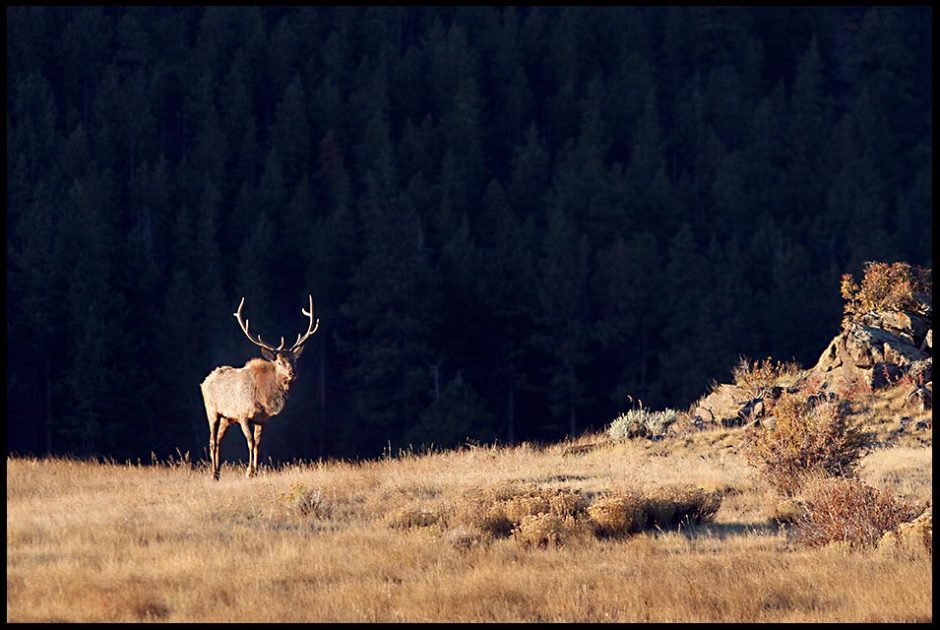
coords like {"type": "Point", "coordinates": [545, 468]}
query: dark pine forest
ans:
{"type": "Point", "coordinates": [509, 218]}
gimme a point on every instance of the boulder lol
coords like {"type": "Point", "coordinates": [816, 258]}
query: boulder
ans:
{"type": "Point", "coordinates": [922, 396]}
{"type": "Point", "coordinates": [885, 375]}
{"type": "Point", "coordinates": [921, 372]}
{"type": "Point", "coordinates": [878, 348]}
{"type": "Point", "coordinates": [729, 406]}
{"type": "Point", "coordinates": [909, 327]}
{"type": "Point", "coordinates": [915, 537]}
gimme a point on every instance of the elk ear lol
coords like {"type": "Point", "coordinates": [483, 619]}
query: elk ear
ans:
{"type": "Point", "coordinates": [298, 351]}
{"type": "Point", "coordinates": [267, 354]}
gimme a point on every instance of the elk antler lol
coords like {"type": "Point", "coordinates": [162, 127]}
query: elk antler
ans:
{"type": "Point", "coordinates": [311, 328]}
{"type": "Point", "coordinates": [244, 327]}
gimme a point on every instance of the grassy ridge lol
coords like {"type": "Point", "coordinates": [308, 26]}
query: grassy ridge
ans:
{"type": "Point", "coordinates": [321, 542]}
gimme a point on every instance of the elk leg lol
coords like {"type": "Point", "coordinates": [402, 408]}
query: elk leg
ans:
{"type": "Point", "coordinates": [248, 430]}
{"type": "Point", "coordinates": [216, 459]}
{"type": "Point", "coordinates": [214, 422]}
{"type": "Point", "coordinates": [259, 429]}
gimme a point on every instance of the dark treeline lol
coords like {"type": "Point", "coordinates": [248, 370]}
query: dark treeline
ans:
{"type": "Point", "coordinates": [509, 219]}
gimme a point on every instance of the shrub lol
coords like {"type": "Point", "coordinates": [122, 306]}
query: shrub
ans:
{"type": "Point", "coordinates": [624, 513]}
{"type": "Point", "coordinates": [548, 530]}
{"type": "Point", "coordinates": [641, 423]}
{"type": "Point", "coordinates": [849, 512]}
{"type": "Point", "coordinates": [757, 379]}
{"type": "Point", "coordinates": [498, 509]}
{"type": "Point", "coordinates": [885, 287]}
{"type": "Point", "coordinates": [307, 502]}
{"type": "Point", "coordinates": [807, 437]}
{"type": "Point", "coordinates": [668, 508]}
{"type": "Point", "coordinates": [781, 511]}
{"type": "Point", "coordinates": [409, 517]}
{"type": "Point", "coordinates": [617, 514]}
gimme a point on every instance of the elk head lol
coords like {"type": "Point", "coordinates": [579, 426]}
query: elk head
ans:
{"type": "Point", "coordinates": [284, 359]}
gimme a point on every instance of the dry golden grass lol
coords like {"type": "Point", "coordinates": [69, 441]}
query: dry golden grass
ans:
{"type": "Point", "coordinates": [387, 540]}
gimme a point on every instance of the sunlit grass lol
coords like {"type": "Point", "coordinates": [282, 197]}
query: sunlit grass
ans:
{"type": "Point", "coordinates": [343, 541]}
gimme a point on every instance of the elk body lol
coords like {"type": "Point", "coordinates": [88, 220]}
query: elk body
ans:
{"type": "Point", "coordinates": [250, 395]}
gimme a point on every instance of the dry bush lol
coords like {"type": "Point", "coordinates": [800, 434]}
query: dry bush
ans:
{"type": "Point", "coordinates": [496, 510]}
{"type": "Point", "coordinates": [885, 287]}
{"type": "Point", "coordinates": [618, 514]}
{"type": "Point", "coordinates": [757, 379]}
{"type": "Point", "coordinates": [409, 517]}
{"type": "Point", "coordinates": [549, 530]}
{"type": "Point", "coordinates": [623, 513]}
{"type": "Point", "coordinates": [781, 511]}
{"type": "Point", "coordinates": [463, 537]}
{"type": "Point", "coordinates": [305, 501]}
{"type": "Point", "coordinates": [667, 508]}
{"type": "Point", "coordinates": [807, 437]}
{"type": "Point", "coordinates": [848, 511]}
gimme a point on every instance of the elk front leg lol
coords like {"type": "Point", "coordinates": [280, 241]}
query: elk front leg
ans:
{"type": "Point", "coordinates": [213, 437]}
{"type": "Point", "coordinates": [248, 429]}
{"type": "Point", "coordinates": [216, 459]}
{"type": "Point", "coordinates": [259, 429]}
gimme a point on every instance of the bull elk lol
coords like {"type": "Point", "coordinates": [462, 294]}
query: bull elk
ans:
{"type": "Point", "coordinates": [248, 396]}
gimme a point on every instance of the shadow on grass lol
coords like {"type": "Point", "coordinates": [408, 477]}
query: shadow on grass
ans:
{"type": "Point", "coordinates": [724, 531]}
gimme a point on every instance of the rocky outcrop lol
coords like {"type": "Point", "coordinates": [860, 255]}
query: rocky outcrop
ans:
{"type": "Point", "coordinates": [729, 406]}
{"type": "Point", "coordinates": [875, 349]}
{"type": "Point", "coordinates": [879, 347]}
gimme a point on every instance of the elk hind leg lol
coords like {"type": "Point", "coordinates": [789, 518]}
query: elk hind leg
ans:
{"type": "Point", "coordinates": [259, 429]}
{"type": "Point", "coordinates": [248, 428]}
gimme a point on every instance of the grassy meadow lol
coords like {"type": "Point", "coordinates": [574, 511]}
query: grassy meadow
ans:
{"type": "Point", "coordinates": [383, 540]}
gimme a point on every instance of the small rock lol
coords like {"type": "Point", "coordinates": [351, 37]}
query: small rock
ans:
{"type": "Point", "coordinates": [922, 396]}
{"type": "Point", "coordinates": [752, 410]}
{"type": "Point", "coordinates": [921, 371]}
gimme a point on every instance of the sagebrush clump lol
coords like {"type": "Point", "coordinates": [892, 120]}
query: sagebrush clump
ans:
{"type": "Point", "coordinates": [641, 423]}
{"type": "Point", "coordinates": [619, 514]}
{"type": "Point", "coordinates": [885, 287]}
{"type": "Point", "coordinates": [807, 437]}
{"type": "Point", "coordinates": [498, 509]}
